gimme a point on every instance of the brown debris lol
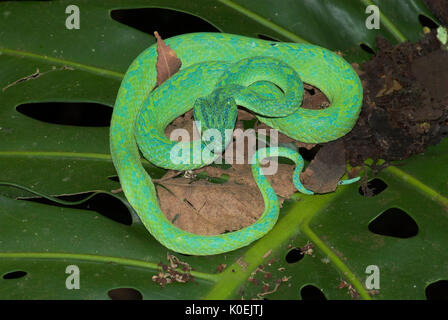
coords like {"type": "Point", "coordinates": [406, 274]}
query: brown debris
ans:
{"type": "Point", "coordinates": [350, 289]}
{"type": "Point", "coordinates": [170, 273]}
{"type": "Point", "coordinates": [307, 249]}
{"type": "Point", "coordinates": [405, 106]}
{"type": "Point", "coordinates": [433, 69]}
{"type": "Point", "coordinates": [221, 267]}
{"type": "Point", "coordinates": [266, 290]}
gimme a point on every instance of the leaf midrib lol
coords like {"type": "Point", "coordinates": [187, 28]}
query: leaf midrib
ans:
{"type": "Point", "coordinates": [57, 154]}
{"type": "Point", "coordinates": [98, 258]}
{"type": "Point", "coordinates": [63, 62]}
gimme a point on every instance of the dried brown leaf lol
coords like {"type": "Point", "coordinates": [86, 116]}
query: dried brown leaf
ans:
{"type": "Point", "coordinates": [167, 61]}
{"type": "Point", "coordinates": [325, 170]}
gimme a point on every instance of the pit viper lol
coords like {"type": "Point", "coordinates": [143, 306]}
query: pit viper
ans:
{"type": "Point", "coordinates": [220, 72]}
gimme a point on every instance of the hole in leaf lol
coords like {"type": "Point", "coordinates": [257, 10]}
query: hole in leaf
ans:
{"type": "Point", "coordinates": [167, 22]}
{"type": "Point", "coordinates": [310, 292]}
{"type": "Point", "coordinates": [309, 155]}
{"type": "Point", "coordinates": [367, 48]}
{"type": "Point", "coordinates": [437, 290]}
{"type": "Point", "coordinates": [374, 187]}
{"type": "Point", "coordinates": [394, 222]}
{"type": "Point", "coordinates": [114, 178]}
{"type": "Point", "coordinates": [294, 255]}
{"type": "Point", "coordinates": [125, 294]}
{"type": "Point", "coordinates": [427, 22]}
{"type": "Point", "coordinates": [103, 203]}
{"type": "Point", "coordinates": [69, 113]}
{"type": "Point", "coordinates": [267, 38]}
{"type": "Point", "coordinates": [184, 254]}
{"type": "Point", "coordinates": [14, 275]}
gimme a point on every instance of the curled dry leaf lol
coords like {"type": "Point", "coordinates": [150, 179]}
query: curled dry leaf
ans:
{"type": "Point", "coordinates": [325, 170]}
{"type": "Point", "coordinates": [167, 61]}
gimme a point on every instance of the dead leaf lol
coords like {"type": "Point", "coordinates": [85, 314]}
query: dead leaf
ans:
{"type": "Point", "coordinates": [207, 208]}
{"type": "Point", "coordinates": [325, 170]}
{"type": "Point", "coordinates": [167, 61]}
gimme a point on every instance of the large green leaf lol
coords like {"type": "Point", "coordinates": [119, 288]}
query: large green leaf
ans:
{"type": "Point", "coordinates": [87, 65]}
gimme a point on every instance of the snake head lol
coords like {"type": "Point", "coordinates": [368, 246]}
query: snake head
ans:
{"type": "Point", "coordinates": [215, 118]}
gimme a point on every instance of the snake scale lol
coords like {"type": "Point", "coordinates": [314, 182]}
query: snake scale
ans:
{"type": "Point", "coordinates": [220, 71]}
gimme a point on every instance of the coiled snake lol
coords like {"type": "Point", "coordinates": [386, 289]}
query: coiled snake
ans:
{"type": "Point", "coordinates": [220, 71]}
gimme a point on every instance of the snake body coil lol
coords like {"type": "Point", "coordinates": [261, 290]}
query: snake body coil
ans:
{"type": "Point", "coordinates": [220, 71]}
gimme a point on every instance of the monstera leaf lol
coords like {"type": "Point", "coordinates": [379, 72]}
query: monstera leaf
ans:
{"type": "Point", "coordinates": [321, 246]}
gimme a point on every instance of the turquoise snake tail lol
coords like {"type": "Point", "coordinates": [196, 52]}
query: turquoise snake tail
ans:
{"type": "Point", "coordinates": [220, 71]}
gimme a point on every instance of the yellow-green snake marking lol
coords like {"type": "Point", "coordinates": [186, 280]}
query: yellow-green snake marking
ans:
{"type": "Point", "coordinates": [260, 75]}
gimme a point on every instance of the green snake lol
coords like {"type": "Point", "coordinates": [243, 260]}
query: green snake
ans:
{"type": "Point", "coordinates": [220, 71]}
